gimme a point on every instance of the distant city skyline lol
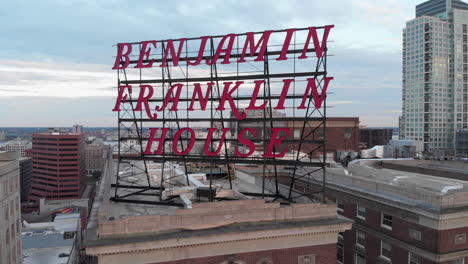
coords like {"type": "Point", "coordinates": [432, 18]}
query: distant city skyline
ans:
{"type": "Point", "coordinates": [64, 77]}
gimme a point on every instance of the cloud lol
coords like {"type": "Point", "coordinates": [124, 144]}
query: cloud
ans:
{"type": "Point", "coordinates": [339, 102]}
{"type": "Point", "coordinates": [53, 111]}
{"type": "Point", "coordinates": [378, 120]}
{"type": "Point", "coordinates": [28, 78]}
{"type": "Point", "coordinates": [65, 49]}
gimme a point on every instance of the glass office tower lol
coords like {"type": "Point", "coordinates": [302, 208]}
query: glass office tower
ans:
{"type": "Point", "coordinates": [435, 74]}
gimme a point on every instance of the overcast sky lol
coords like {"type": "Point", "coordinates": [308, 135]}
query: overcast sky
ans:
{"type": "Point", "coordinates": [56, 56]}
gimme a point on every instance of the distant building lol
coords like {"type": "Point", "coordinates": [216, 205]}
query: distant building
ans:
{"type": "Point", "coordinates": [395, 149]}
{"type": "Point", "coordinates": [53, 242]}
{"type": "Point", "coordinates": [410, 211]}
{"type": "Point", "coordinates": [18, 144]}
{"type": "Point", "coordinates": [77, 129]}
{"type": "Point", "coordinates": [95, 155]}
{"type": "Point", "coordinates": [2, 135]}
{"type": "Point", "coordinates": [58, 165]}
{"type": "Point", "coordinates": [435, 75]}
{"type": "Point", "coordinates": [342, 133]}
{"type": "Point", "coordinates": [461, 143]}
{"type": "Point", "coordinates": [10, 213]}
{"type": "Point", "coordinates": [28, 152]}
{"type": "Point", "coordinates": [26, 169]}
{"type": "Point", "coordinates": [375, 136]}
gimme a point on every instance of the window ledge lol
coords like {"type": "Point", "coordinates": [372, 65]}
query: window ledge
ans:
{"type": "Point", "coordinates": [386, 227]}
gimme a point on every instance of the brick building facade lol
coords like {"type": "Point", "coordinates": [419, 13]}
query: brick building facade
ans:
{"type": "Point", "coordinates": [96, 153]}
{"type": "Point", "coordinates": [58, 166]}
{"type": "Point", "coordinates": [375, 136]}
{"type": "Point", "coordinates": [400, 217]}
{"type": "Point", "coordinates": [342, 133]}
{"type": "Point", "coordinates": [320, 254]}
{"type": "Point", "coordinates": [10, 213]}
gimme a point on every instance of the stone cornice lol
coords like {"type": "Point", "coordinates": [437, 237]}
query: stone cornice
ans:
{"type": "Point", "coordinates": [126, 245]}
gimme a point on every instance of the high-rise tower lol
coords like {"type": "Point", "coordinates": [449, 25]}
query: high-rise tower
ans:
{"type": "Point", "coordinates": [435, 74]}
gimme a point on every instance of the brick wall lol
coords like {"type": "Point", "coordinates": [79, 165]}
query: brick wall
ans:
{"type": "Point", "coordinates": [437, 242]}
{"type": "Point", "coordinates": [324, 254]}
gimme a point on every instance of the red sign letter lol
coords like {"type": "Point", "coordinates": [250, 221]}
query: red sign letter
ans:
{"type": "Point", "coordinates": [220, 49]}
{"type": "Point", "coordinates": [274, 141]}
{"type": "Point", "coordinates": [142, 99]}
{"type": "Point", "coordinates": [318, 99]}
{"type": "Point", "coordinates": [253, 100]}
{"type": "Point", "coordinates": [122, 98]}
{"type": "Point", "coordinates": [170, 49]}
{"type": "Point", "coordinates": [170, 98]}
{"type": "Point", "coordinates": [121, 55]}
{"type": "Point", "coordinates": [206, 147]}
{"type": "Point", "coordinates": [287, 41]}
{"type": "Point", "coordinates": [202, 99]}
{"type": "Point", "coordinates": [284, 93]}
{"type": "Point", "coordinates": [177, 137]}
{"type": "Point", "coordinates": [246, 142]}
{"type": "Point", "coordinates": [227, 95]}
{"type": "Point", "coordinates": [249, 40]}
{"type": "Point", "coordinates": [145, 53]}
{"type": "Point", "coordinates": [319, 48]}
{"type": "Point", "coordinates": [160, 140]}
{"type": "Point", "coordinates": [200, 52]}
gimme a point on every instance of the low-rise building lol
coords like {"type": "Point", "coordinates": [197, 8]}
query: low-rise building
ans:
{"type": "Point", "coordinates": [26, 169]}
{"type": "Point", "coordinates": [95, 155]}
{"type": "Point", "coordinates": [375, 136]}
{"type": "Point", "coordinates": [18, 144]}
{"type": "Point", "coordinates": [342, 133]}
{"type": "Point", "coordinates": [55, 242]}
{"type": "Point", "coordinates": [10, 213]}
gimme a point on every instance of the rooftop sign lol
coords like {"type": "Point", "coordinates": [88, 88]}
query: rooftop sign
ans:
{"type": "Point", "coordinates": [164, 100]}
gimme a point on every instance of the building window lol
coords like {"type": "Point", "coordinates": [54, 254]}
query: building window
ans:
{"type": "Point", "coordinates": [387, 221]}
{"type": "Point", "coordinates": [415, 234]}
{"type": "Point", "coordinates": [361, 212]}
{"type": "Point", "coordinates": [297, 133]}
{"type": "Point", "coordinates": [359, 258]}
{"type": "Point", "coordinates": [414, 259]}
{"type": "Point", "coordinates": [385, 250]}
{"type": "Point", "coordinates": [360, 238]}
{"type": "Point", "coordinates": [340, 205]}
{"type": "Point", "coordinates": [340, 253]}
{"type": "Point", "coordinates": [460, 239]}
{"type": "Point", "coordinates": [5, 188]}
{"type": "Point", "coordinates": [341, 237]}
{"type": "Point", "coordinates": [459, 261]}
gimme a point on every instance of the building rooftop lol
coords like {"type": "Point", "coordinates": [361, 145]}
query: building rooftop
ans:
{"type": "Point", "coordinates": [43, 238]}
{"type": "Point", "coordinates": [50, 242]}
{"type": "Point", "coordinates": [409, 189]}
{"type": "Point", "coordinates": [116, 222]}
{"type": "Point", "coordinates": [118, 210]}
{"type": "Point", "coordinates": [55, 255]}
{"type": "Point", "coordinates": [436, 7]}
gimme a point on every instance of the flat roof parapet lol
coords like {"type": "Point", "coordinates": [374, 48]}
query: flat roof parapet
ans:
{"type": "Point", "coordinates": [211, 215]}
{"type": "Point", "coordinates": [402, 187]}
